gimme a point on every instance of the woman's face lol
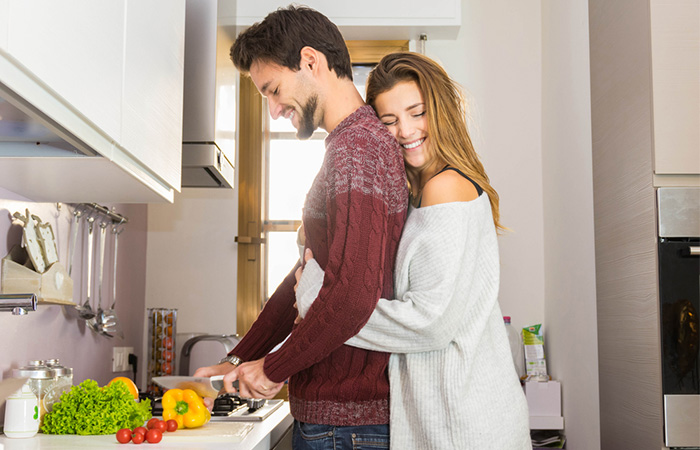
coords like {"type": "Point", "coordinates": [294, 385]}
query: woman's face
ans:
{"type": "Point", "coordinates": [403, 111]}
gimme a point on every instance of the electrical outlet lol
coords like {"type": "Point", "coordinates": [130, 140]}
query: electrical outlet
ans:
{"type": "Point", "coordinates": [120, 358]}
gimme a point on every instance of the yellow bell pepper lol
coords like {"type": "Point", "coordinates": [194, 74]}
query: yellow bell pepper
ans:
{"type": "Point", "coordinates": [186, 407]}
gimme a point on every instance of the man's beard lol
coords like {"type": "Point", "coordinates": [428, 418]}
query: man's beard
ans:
{"type": "Point", "coordinates": [306, 124]}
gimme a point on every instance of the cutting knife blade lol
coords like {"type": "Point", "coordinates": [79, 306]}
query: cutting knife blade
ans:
{"type": "Point", "coordinates": [203, 386]}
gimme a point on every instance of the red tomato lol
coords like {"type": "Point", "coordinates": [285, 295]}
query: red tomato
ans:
{"type": "Point", "coordinates": [140, 430]}
{"type": "Point", "coordinates": [123, 435]}
{"type": "Point", "coordinates": [151, 423]}
{"type": "Point", "coordinates": [172, 425]}
{"type": "Point", "coordinates": [154, 436]}
{"type": "Point", "coordinates": [160, 426]}
{"type": "Point", "coordinates": [138, 438]}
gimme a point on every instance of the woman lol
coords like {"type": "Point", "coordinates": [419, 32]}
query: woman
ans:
{"type": "Point", "coordinates": [453, 383]}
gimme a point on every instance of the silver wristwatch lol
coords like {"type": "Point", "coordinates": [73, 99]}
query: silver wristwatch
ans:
{"type": "Point", "coordinates": [232, 359]}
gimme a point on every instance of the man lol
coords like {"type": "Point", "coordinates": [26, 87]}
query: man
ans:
{"type": "Point", "coordinates": [353, 217]}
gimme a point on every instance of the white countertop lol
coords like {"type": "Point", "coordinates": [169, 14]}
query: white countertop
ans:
{"type": "Point", "coordinates": [209, 437]}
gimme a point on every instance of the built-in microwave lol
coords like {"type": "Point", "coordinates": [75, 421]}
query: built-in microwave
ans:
{"type": "Point", "coordinates": [679, 306]}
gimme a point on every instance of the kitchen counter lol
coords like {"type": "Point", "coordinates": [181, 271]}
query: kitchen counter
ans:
{"type": "Point", "coordinates": [211, 436]}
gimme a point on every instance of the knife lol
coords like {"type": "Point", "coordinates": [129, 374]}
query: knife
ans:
{"type": "Point", "coordinates": [203, 386]}
{"type": "Point", "coordinates": [9, 386]}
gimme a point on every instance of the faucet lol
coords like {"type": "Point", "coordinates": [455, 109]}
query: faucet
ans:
{"type": "Point", "coordinates": [19, 304]}
{"type": "Point", "coordinates": [228, 341]}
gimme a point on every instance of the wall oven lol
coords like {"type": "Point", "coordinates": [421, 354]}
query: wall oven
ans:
{"type": "Point", "coordinates": [679, 306]}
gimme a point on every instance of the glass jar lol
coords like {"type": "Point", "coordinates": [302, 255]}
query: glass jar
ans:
{"type": "Point", "coordinates": [41, 379]}
{"type": "Point", "coordinates": [64, 381]}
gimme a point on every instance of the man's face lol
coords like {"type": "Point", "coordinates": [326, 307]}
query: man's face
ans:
{"type": "Point", "coordinates": [289, 94]}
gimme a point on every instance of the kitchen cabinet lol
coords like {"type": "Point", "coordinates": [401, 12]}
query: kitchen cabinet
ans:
{"type": "Point", "coordinates": [106, 81]}
{"type": "Point", "coordinates": [75, 48]}
{"type": "Point", "coordinates": [153, 85]}
{"type": "Point", "coordinates": [675, 64]}
{"type": "Point", "coordinates": [364, 19]}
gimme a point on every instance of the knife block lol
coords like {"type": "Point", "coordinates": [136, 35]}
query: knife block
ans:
{"type": "Point", "coordinates": [53, 287]}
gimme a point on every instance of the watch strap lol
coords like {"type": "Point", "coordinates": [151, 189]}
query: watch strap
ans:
{"type": "Point", "coordinates": [231, 359]}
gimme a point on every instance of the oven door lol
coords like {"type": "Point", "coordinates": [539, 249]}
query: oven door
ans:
{"type": "Point", "coordinates": [679, 289]}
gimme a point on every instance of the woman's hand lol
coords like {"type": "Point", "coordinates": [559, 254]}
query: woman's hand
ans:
{"type": "Point", "coordinates": [308, 254]}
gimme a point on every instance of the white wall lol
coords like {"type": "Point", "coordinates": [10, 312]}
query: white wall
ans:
{"type": "Point", "coordinates": [569, 250]}
{"type": "Point", "coordinates": [497, 59]}
{"type": "Point", "coordinates": [525, 68]}
{"type": "Point", "coordinates": [191, 259]}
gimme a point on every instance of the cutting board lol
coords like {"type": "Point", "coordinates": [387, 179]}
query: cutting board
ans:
{"type": "Point", "coordinates": [212, 432]}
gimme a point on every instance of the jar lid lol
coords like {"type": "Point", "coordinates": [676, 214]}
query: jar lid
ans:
{"type": "Point", "coordinates": [34, 371]}
{"type": "Point", "coordinates": [60, 370]}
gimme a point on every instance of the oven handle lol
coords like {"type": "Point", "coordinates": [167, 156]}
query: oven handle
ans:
{"type": "Point", "coordinates": [694, 251]}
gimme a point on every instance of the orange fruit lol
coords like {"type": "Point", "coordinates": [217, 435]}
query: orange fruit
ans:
{"type": "Point", "coordinates": [129, 384]}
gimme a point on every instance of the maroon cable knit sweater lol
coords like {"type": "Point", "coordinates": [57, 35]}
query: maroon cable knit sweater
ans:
{"type": "Point", "coordinates": [353, 217]}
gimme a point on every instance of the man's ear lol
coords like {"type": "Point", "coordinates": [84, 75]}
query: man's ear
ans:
{"type": "Point", "coordinates": [310, 59]}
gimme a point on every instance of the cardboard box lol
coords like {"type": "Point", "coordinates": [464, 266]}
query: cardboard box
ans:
{"type": "Point", "coordinates": [543, 398]}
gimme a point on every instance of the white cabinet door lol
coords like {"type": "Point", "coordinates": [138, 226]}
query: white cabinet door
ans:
{"type": "Point", "coordinates": [76, 48]}
{"type": "Point", "coordinates": [153, 86]}
{"type": "Point", "coordinates": [675, 47]}
{"type": "Point", "coordinates": [4, 23]}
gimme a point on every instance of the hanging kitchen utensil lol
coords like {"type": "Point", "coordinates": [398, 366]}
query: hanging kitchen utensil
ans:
{"type": "Point", "coordinates": [77, 213]}
{"type": "Point", "coordinates": [95, 324]}
{"type": "Point", "coordinates": [110, 323]}
{"type": "Point", "coordinates": [85, 311]}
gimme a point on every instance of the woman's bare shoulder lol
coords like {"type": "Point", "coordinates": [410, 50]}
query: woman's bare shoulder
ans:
{"type": "Point", "coordinates": [446, 187]}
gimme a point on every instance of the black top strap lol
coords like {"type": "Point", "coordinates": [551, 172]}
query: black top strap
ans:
{"type": "Point", "coordinates": [448, 167]}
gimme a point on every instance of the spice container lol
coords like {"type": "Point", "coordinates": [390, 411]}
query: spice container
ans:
{"type": "Point", "coordinates": [41, 380]}
{"type": "Point", "coordinates": [21, 414]}
{"type": "Point", "coordinates": [161, 345]}
{"type": "Point", "coordinates": [64, 381]}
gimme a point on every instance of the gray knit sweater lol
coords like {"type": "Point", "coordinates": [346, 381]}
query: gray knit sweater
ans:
{"type": "Point", "coordinates": [453, 383]}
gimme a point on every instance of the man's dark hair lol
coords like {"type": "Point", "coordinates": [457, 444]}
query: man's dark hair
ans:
{"type": "Point", "coordinates": [280, 37]}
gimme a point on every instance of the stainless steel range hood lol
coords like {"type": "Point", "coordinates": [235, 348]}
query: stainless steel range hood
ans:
{"type": "Point", "coordinates": [210, 100]}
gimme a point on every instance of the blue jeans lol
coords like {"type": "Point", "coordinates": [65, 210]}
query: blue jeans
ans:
{"type": "Point", "coordinates": [309, 436]}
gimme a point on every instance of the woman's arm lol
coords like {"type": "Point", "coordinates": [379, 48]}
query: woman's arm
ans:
{"type": "Point", "coordinates": [438, 270]}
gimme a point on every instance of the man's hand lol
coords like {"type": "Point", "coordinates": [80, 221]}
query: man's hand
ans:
{"type": "Point", "coordinates": [210, 371]}
{"type": "Point", "coordinates": [252, 381]}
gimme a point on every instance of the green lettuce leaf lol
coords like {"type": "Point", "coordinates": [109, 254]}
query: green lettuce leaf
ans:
{"type": "Point", "coordinates": [89, 409]}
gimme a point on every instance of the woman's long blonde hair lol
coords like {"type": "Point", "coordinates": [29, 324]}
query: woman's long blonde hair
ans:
{"type": "Point", "coordinates": [446, 112]}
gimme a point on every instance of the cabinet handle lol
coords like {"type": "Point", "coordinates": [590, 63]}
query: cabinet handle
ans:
{"type": "Point", "coordinates": [694, 251]}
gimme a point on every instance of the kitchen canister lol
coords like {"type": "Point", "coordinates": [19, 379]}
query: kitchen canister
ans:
{"type": "Point", "coordinates": [41, 380]}
{"type": "Point", "coordinates": [63, 383]}
{"type": "Point", "coordinates": [21, 414]}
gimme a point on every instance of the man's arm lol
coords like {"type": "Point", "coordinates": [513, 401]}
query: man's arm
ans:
{"type": "Point", "coordinates": [358, 219]}
{"type": "Point", "coordinates": [271, 327]}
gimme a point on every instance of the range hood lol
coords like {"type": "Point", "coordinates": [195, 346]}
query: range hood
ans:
{"type": "Point", "coordinates": [210, 100]}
